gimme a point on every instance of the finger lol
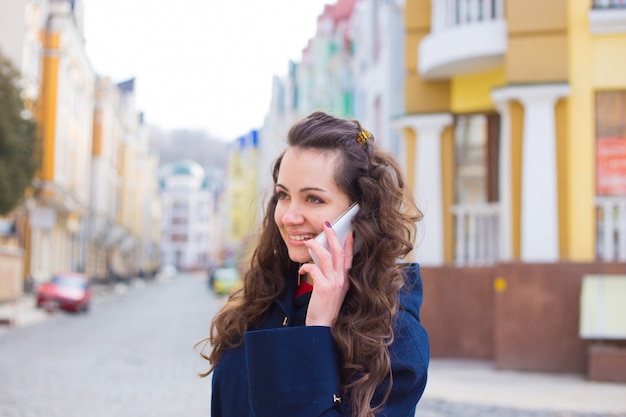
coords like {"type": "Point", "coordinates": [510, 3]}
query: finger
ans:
{"type": "Point", "coordinates": [324, 257]}
{"type": "Point", "coordinates": [335, 246]}
{"type": "Point", "coordinates": [335, 283]}
{"type": "Point", "coordinates": [348, 251]}
{"type": "Point", "coordinates": [312, 270]}
{"type": "Point", "coordinates": [321, 281]}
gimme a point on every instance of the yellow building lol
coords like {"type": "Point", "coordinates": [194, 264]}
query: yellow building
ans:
{"type": "Point", "coordinates": [515, 131]}
{"type": "Point", "coordinates": [504, 105]}
{"type": "Point", "coordinates": [58, 209]}
{"type": "Point", "coordinates": [108, 135]}
{"type": "Point", "coordinates": [139, 215]}
{"type": "Point", "coordinates": [116, 182]}
{"type": "Point", "coordinates": [242, 195]}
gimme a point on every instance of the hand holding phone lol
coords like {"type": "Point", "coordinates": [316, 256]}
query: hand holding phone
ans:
{"type": "Point", "coordinates": [331, 282]}
{"type": "Point", "coordinates": [342, 227]}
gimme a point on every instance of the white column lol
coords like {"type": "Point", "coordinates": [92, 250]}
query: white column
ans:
{"type": "Point", "coordinates": [504, 175]}
{"type": "Point", "coordinates": [539, 199]}
{"type": "Point", "coordinates": [428, 183]}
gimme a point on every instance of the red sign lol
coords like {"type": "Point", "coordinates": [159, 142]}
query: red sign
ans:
{"type": "Point", "coordinates": [611, 166]}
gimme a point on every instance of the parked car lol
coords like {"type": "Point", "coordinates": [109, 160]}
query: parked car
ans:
{"type": "Point", "coordinates": [67, 291]}
{"type": "Point", "coordinates": [224, 280]}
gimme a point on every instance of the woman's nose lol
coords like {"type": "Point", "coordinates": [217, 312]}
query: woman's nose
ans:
{"type": "Point", "coordinates": [293, 216]}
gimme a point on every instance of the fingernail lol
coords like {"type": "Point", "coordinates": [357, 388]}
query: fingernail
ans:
{"type": "Point", "coordinates": [327, 224]}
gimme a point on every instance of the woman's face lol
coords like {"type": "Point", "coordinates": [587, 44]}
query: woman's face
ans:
{"type": "Point", "coordinates": [307, 197]}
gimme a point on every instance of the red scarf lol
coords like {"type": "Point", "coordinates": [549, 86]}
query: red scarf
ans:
{"type": "Point", "coordinates": [303, 288]}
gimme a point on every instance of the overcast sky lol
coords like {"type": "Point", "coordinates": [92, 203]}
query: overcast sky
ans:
{"type": "Point", "coordinates": [200, 64]}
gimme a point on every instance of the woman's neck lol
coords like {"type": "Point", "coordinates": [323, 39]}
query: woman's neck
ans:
{"type": "Point", "coordinates": [307, 278]}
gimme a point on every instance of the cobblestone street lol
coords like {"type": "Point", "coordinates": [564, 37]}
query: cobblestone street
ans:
{"type": "Point", "coordinates": [132, 355]}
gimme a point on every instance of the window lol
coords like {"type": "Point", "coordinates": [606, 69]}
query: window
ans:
{"type": "Point", "coordinates": [476, 141]}
{"type": "Point", "coordinates": [179, 237]}
{"type": "Point", "coordinates": [476, 208]}
{"type": "Point", "coordinates": [180, 205]}
{"type": "Point", "coordinates": [599, 4]}
{"type": "Point", "coordinates": [611, 143]}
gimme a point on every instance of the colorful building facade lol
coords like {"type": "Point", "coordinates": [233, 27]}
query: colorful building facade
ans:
{"type": "Point", "coordinates": [506, 100]}
{"type": "Point", "coordinates": [94, 200]}
{"type": "Point", "coordinates": [61, 199]}
{"type": "Point", "coordinates": [508, 117]}
{"type": "Point", "coordinates": [376, 36]}
{"type": "Point", "coordinates": [242, 198]}
{"type": "Point", "coordinates": [108, 136]}
{"type": "Point", "coordinates": [514, 131]}
{"type": "Point", "coordinates": [189, 216]}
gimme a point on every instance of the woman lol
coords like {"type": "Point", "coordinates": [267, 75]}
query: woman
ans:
{"type": "Point", "coordinates": [342, 337]}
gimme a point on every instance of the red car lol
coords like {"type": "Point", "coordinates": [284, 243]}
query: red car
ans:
{"type": "Point", "coordinates": [70, 292]}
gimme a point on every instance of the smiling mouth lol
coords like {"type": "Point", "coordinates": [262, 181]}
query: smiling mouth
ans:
{"type": "Point", "coordinates": [301, 238]}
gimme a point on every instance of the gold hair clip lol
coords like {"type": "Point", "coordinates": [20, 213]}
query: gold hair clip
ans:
{"type": "Point", "coordinates": [362, 137]}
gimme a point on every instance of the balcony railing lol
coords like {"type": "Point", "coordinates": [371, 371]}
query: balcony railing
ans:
{"type": "Point", "coordinates": [477, 234]}
{"type": "Point", "coordinates": [466, 36]}
{"type": "Point", "coordinates": [611, 228]}
{"type": "Point", "coordinates": [452, 13]}
{"type": "Point", "coordinates": [607, 16]}
{"type": "Point", "coordinates": [604, 4]}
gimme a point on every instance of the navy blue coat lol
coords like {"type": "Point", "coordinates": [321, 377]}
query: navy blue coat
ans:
{"type": "Point", "coordinates": [286, 369]}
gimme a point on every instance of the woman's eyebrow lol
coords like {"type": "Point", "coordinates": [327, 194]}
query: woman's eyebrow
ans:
{"type": "Point", "coordinates": [304, 189]}
{"type": "Point", "coordinates": [307, 189]}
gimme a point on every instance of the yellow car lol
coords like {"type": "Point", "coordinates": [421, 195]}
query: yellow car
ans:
{"type": "Point", "coordinates": [224, 280]}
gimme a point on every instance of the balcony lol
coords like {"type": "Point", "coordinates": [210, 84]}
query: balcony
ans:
{"type": "Point", "coordinates": [607, 16]}
{"type": "Point", "coordinates": [611, 229]}
{"type": "Point", "coordinates": [466, 36]}
{"type": "Point", "coordinates": [477, 234]}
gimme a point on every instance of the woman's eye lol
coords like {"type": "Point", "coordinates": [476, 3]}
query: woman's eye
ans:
{"type": "Point", "coordinates": [281, 195]}
{"type": "Point", "coordinates": [314, 199]}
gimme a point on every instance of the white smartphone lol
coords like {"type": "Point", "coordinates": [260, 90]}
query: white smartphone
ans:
{"type": "Point", "coordinates": [342, 227]}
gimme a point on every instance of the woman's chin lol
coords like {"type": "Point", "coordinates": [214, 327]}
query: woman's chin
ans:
{"type": "Point", "coordinates": [300, 256]}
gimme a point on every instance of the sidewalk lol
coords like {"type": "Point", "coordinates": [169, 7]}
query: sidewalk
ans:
{"type": "Point", "coordinates": [477, 382]}
{"type": "Point", "coordinates": [21, 312]}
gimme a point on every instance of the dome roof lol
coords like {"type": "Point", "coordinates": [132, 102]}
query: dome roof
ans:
{"type": "Point", "coordinates": [185, 167]}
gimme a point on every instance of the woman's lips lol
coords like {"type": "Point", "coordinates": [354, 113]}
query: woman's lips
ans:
{"type": "Point", "coordinates": [300, 237]}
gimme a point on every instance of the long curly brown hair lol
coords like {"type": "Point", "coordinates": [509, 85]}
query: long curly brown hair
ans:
{"type": "Point", "coordinates": [386, 224]}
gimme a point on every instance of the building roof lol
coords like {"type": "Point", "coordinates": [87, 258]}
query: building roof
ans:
{"type": "Point", "coordinates": [127, 86]}
{"type": "Point", "coordinates": [184, 167]}
{"type": "Point", "coordinates": [187, 167]}
{"type": "Point", "coordinates": [338, 11]}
